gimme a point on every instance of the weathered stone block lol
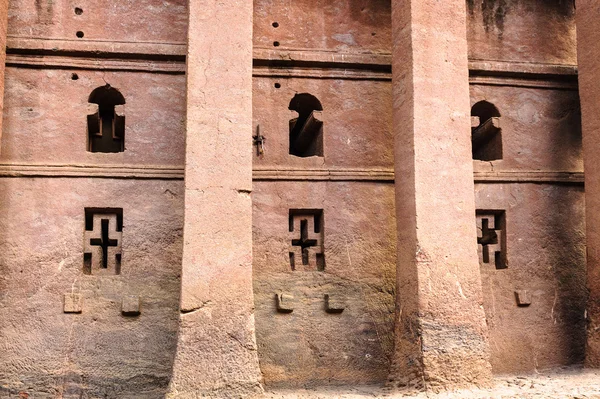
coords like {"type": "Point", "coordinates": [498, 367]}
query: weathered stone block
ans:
{"type": "Point", "coordinates": [334, 303]}
{"type": "Point", "coordinates": [73, 303]}
{"type": "Point", "coordinates": [285, 303]}
{"type": "Point", "coordinates": [523, 298]}
{"type": "Point", "coordinates": [130, 305]}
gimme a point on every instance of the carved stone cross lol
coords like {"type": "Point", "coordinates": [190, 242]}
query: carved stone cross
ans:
{"type": "Point", "coordinates": [489, 237]}
{"type": "Point", "coordinates": [103, 245]}
{"type": "Point", "coordinates": [307, 249]}
{"type": "Point", "coordinates": [304, 242]}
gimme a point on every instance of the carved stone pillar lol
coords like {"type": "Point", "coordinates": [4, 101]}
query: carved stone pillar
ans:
{"type": "Point", "coordinates": [441, 334]}
{"type": "Point", "coordinates": [217, 354]}
{"type": "Point", "coordinates": [3, 30]}
{"type": "Point", "coordinates": [588, 55]}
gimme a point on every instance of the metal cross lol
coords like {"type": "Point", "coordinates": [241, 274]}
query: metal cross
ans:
{"type": "Point", "coordinates": [259, 142]}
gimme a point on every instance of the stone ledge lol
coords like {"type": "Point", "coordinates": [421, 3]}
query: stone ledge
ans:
{"type": "Point", "coordinates": [268, 62]}
{"type": "Point", "coordinates": [522, 68]}
{"type": "Point", "coordinates": [100, 48]}
{"type": "Point", "coordinates": [331, 174]}
{"type": "Point", "coordinates": [523, 74]}
{"type": "Point", "coordinates": [527, 176]}
{"type": "Point", "coordinates": [101, 171]}
{"type": "Point", "coordinates": [179, 68]}
{"type": "Point", "coordinates": [523, 82]}
{"type": "Point", "coordinates": [385, 175]}
{"type": "Point", "coordinates": [270, 56]}
{"type": "Point", "coordinates": [319, 73]}
{"type": "Point", "coordinates": [106, 64]}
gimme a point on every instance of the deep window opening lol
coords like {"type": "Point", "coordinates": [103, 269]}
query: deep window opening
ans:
{"type": "Point", "coordinates": [306, 131]}
{"type": "Point", "coordinates": [486, 134]}
{"type": "Point", "coordinates": [106, 127]}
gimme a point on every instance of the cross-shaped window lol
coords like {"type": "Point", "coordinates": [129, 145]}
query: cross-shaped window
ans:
{"type": "Point", "coordinates": [308, 224]}
{"type": "Point", "coordinates": [102, 241]}
{"type": "Point", "coordinates": [491, 238]}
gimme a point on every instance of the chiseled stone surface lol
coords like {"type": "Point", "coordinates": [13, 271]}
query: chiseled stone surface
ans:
{"type": "Point", "coordinates": [73, 303]}
{"type": "Point", "coordinates": [349, 342]}
{"type": "Point", "coordinates": [509, 30]}
{"type": "Point", "coordinates": [588, 53]}
{"type": "Point", "coordinates": [333, 326]}
{"type": "Point", "coordinates": [96, 353]}
{"type": "Point", "coordinates": [150, 21]}
{"type": "Point", "coordinates": [3, 28]}
{"type": "Point", "coordinates": [441, 330]}
{"type": "Point", "coordinates": [217, 354]}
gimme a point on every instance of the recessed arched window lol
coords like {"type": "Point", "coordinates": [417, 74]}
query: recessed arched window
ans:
{"type": "Point", "coordinates": [486, 134]}
{"type": "Point", "coordinates": [106, 127]}
{"type": "Point", "coordinates": [306, 131]}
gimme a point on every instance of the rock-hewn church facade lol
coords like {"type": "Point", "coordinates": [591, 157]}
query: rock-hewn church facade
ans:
{"type": "Point", "coordinates": [213, 197]}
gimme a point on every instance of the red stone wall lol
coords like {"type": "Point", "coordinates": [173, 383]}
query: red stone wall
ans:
{"type": "Point", "coordinates": [343, 26]}
{"type": "Point", "coordinates": [352, 184]}
{"type": "Point", "coordinates": [530, 31]}
{"type": "Point", "coordinates": [46, 117]}
{"type": "Point", "coordinates": [146, 21]}
{"type": "Point", "coordinates": [522, 56]}
{"type": "Point", "coordinates": [48, 178]}
{"type": "Point", "coordinates": [514, 46]}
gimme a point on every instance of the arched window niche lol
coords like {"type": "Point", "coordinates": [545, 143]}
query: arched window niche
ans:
{"type": "Point", "coordinates": [486, 134]}
{"type": "Point", "coordinates": [306, 131]}
{"type": "Point", "coordinates": [106, 125]}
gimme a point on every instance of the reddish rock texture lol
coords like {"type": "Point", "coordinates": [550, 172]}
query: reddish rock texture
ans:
{"type": "Point", "coordinates": [511, 30]}
{"type": "Point", "coordinates": [589, 71]}
{"type": "Point", "coordinates": [148, 21]}
{"type": "Point", "coordinates": [97, 346]}
{"type": "Point", "coordinates": [396, 287]}
{"type": "Point", "coordinates": [3, 29]}
{"type": "Point", "coordinates": [216, 354]}
{"type": "Point", "coordinates": [99, 351]}
{"type": "Point", "coordinates": [344, 26]}
{"type": "Point", "coordinates": [351, 347]}
{"type": "Point", "coordinates": [441, 337]}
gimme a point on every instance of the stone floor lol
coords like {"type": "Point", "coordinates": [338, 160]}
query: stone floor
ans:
{"type": "Point", "coordinates": [573, 383]}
